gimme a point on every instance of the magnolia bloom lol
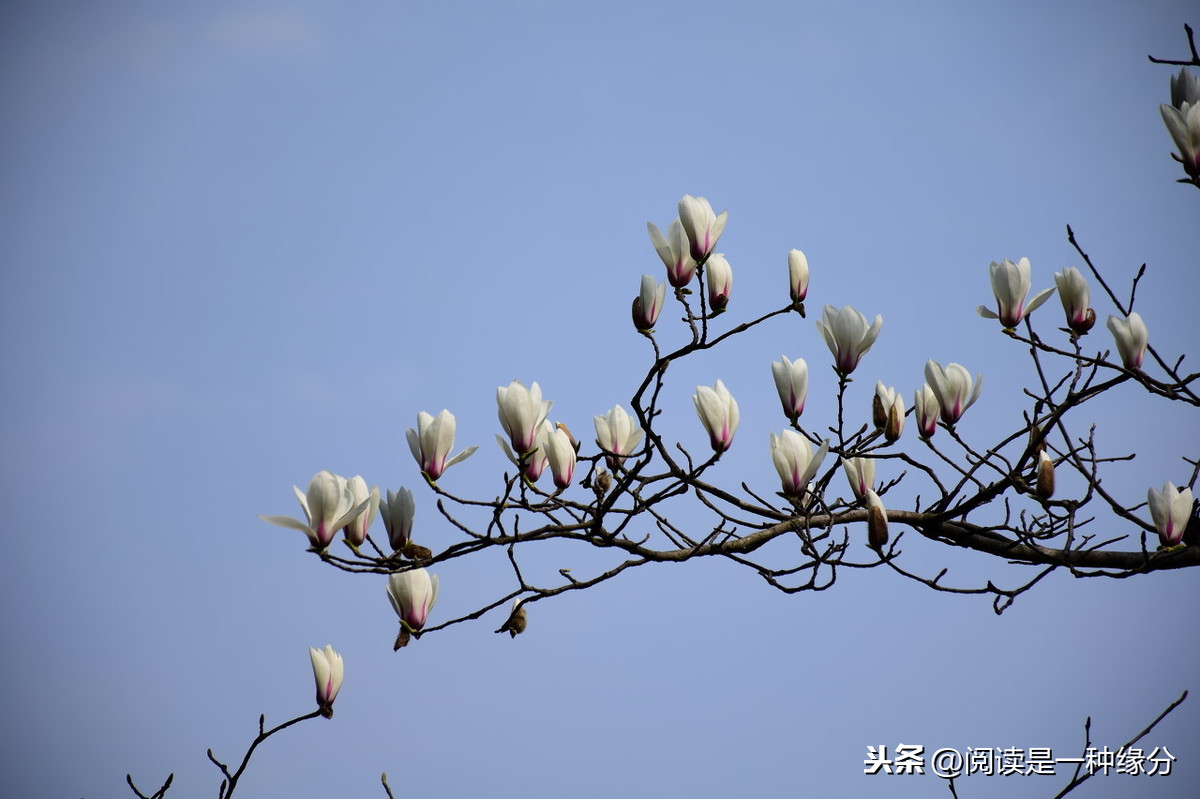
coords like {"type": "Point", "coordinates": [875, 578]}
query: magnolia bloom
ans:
{"type": "Point", "coordinates": [328, 507]}
{"type": "Point", "coordinates": [560, 452]}
{"type": "Point", "coordinates": [791, 381]}
{"type": "Point", "coordinates": [887, 411]}
{"type": "Point", "coordinates": [1131, 337]}
{"type": "Point", "coordinates": [1184, 126]}
{"type": "Point", "coordinates": [793, 457]}
{"type": "Point", "coordinates": [356, 529]}
{"type": "Point", "coordinates": [521, 412]}
{"type": "Point", "coordinates": [927, 410]}
{"type": "Point", "coordinates": [648, 304]}
{"type": "Point", "coordinates": [952, 387]}
{"type": "Point", "coordinates": [675, 251]}
{"type": "Point", "coordinates": [1010, 284]}
{"type": "Point", "coordinates": [720, 281]}
{"type": "Point", "coordinates": [860, 473]}
{"type": "Point", "coordinates": [617, 433]}
{"type": "Point", "coordinates": [1185, 88]}
{"type": "Point", "coordinates": [1044, 484]}
{"type": "Point", "coordinates": [532, 463]}
{"type": "Point", "coordinates": [718, 411]}
{"type": "Point", "coordinates": [1171, 509]}
{"type": "Point", "coordinates": [701, 225]}
{"type": "Point", "coordinates": [1073, 291]}
{"type": "Point", "coordinates": [413, 595]}
{"type": "Point", "coordinates": [327, 671]}
{"type": "Point", "coordinates": [432, 441]}
{"type": "Point", "coordinates": [797, 275]}
{"type": "Point", "coordinates": [848, 336]}
{"type": "Point", "coordinates": [398, 512]}
{"type": "Point", "coordinates": [877, 521]}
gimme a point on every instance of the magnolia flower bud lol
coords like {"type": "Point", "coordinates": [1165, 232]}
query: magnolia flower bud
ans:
{"type": "Point", "coordinates": [1074, 294]}
{"type": "Point", "coordinates": [356, 528]}
{"type": "Point", "coordinates": [432, 441]}
{"type": "Point", "coordinates": [327, 671]}
{"type": "Point", "coordinates": [1045, 476]}
{"type": "Point", "coordinates": [532, 463]}
{"type": "Point", "coordinates": [952, 387]}
{"type": "Point", "coordinates": [412, 594]}
{"type": "Point", "coordinates": [1010, 284]}
{"type": "Point", "coordinates": [1170, 509]}
{"type": "Point", "coordinates": [1184, 126]}
{"type": "Point", "coordinates": [848, 336]}
{"type": "Point", "coordinates": [720, 281]}
{"type": "Point", "coordinates": [927, 410]}
{"type": "Point", "coordinates": [887, 411]}
{"type": "Point", "coordinates": [517, 620]}
{"type": "Point", "coordinates": [718, 411]}
{"type": "Point", "coordinates": [877, 522]}
{"type": "Point", "coordinates": [328, 507]}
{"type": "Point", "coordinates": [560, 451]}
{"type": "Point", "coordinates": [398, 512]}
{"type": "Point", "coordinates": [791, 381]}
{"type": "Point", "coordinates": [617, 434]}
{"type": "Point", "coordinates": [648, 304]}
{"type": "Point", "coordinates": [675, 251]}
{"type": "Point", "coordinates": [860, 473]}
{"type": "Point", "coordinates": [797, 276]}
{"type": "Point", "coordinates": [793, 457]}
{"type": "Point", "coordinates": [521, 411]}
{"type": "Point", "coordinates": [1131, 337]}
{"type": "Point", "coordinates": [1185, 88]}
{"type": "Point", "coordinates": [701, 225]}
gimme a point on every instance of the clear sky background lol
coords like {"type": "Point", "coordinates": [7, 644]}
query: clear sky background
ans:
{"type": "Point", "coordinates": [244, 242]}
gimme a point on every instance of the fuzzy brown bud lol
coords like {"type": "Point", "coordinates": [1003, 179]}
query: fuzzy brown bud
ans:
{"type": "Point", "coordinates": [1045, 476]}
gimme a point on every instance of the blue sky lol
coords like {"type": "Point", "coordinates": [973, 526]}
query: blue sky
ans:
{"type": "Point", "coordinates": [244, 242]}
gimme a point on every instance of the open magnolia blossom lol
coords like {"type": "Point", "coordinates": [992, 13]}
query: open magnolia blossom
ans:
{"type": "Point", "coordinates": [797, 275]}
{"type": "Point", "coordinates": [927, 410]}
{"type": "Point", "coordinates": [848, 336]}
{"type": "Point", "coordinates": [1010, 284]}
{"type": "Point", "coordinates": [397, 512]}
{"type": "Point", "coordinates": [648, 304]}
{"type": "Point", "coordinates": [860, 473]}
{"type": "Point", "coordinates": [522, 412]}
{"type": "Point", "coordinates": [560, 452]}
{"type": "Point", "coordinates": [718, 411]}
{"type": "Point", "coordinates": [413, 594]}
{"type": "Point", "coordinates": [1170, 509]}
{"type": "Point", "coordinates": [720, 281]}
{"type": "Point", "coordinates": [675, 251]}
{"type": "Point", "coordinates": [356, 529]}
{"type": "Point", "coordinates": [432, 441]}
{"type": "Point", "coordinates": [1132, 338]}
{"type": "Point", "coordinates": [1075, 297]}
{"type": "Point", "coordinates": [791, 381]}
{"type": "Point", "coordinates": [701, 225]}
{"type": "Point", "coordinates": [617, 433]}
{"type": "Point", "coordinates": [952, 387]}
{"type": "Point", "coordinates": [327, 672]}
{"type": "Point", "coordinates": [328, 507]}
{"type": "Point", "coordinates": [793, 457]}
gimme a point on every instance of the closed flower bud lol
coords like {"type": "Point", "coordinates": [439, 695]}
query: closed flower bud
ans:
{"type": "Point", "coordinates": [1184, 126]}
{"type": "Point", "coordinates": [675, 251]}
{"type": "Point", "coordinates": [795, 462]}
{"type": "Point", "coordinates": [791, 381]}
{"type": "Point", "coordinates": [797, 276]}
{"type": "Point", "coordinates": [1185, 88]}
{"type": "Point", "coordinates": [328, 670]}
{"type": "Point", "coordinates": [328, 507]}
{"type": "Point", "coordinates": [356, 529]}
{"type": "Point", "coordinates": [860, 473]}
{"type": "Point", "coordinates": [718, 411]}
{"type": "Point", "coordinates": [1045, 476]}
{"type": "Point", "coordinates": [877, 522]}
{"type": "Point", "coordinates": [927, 410]}
{"type": "Point", "coordinates": [560, 452]}
{"type": "Point", "coordinates": [1010, 284]}
{"type": "Point", "coordinates": [1074, 294]}
{"type": "Point", "coordinates": [521, 411]}
{"type": "Point", "coordinates": [517, 620]}
{"type": "Point", "coordinates": [953, 388]}
{"type": "Point", "coordinates": [701, 225]}
{"type": "Point", "coordinates": [1131, 337]}
{"type": "Point", "coordinates": [432, 441]}
{"type": "Point", "coordinates": [398, 512]}
{"type": "Point", "coordinates": [617, 434]}
{"type": "Point", "coordinates": [412, 594]}
{"type": "Point", "coordinates": [1170, 509]}
{"type": "Point", "coordinates": [848, 336]}
{"type": "Point", "coordinates": [648, 304]}
{"type": "Point", "coordinates": [720, 281]}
